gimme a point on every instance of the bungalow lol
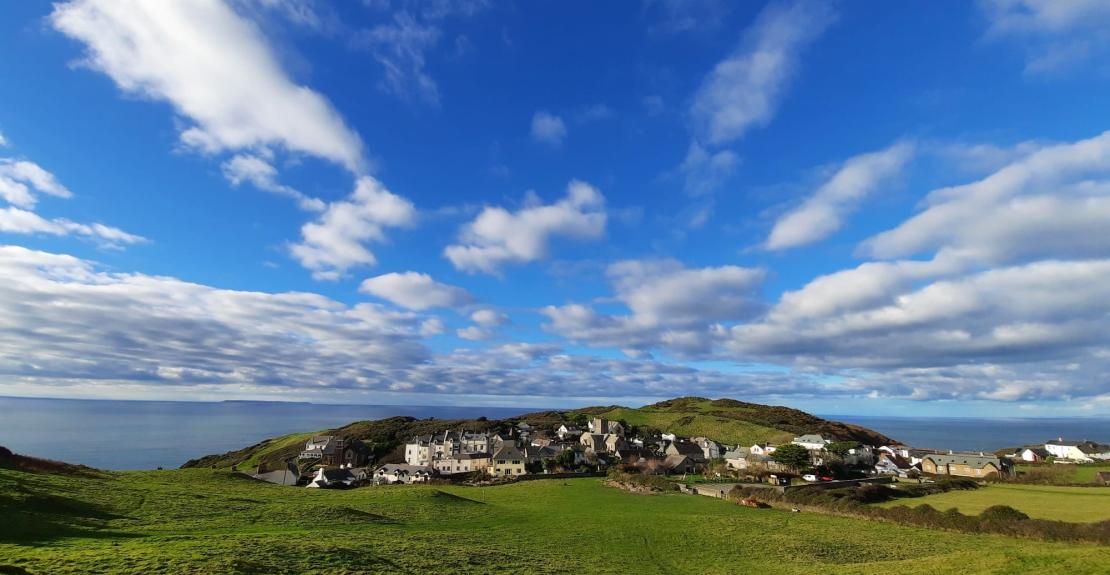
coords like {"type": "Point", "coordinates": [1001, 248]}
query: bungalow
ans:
{"type": "Point", "coordinates": [1034, 454]}
{"type": "Point", "coordinates": [333, 477]}
{"type": "Point", "coordinates": [812, 442]}
{"type": "Point", "coordinates": [507, 461]}
{"type": "Point", "coordinates": [1076, 450]}
{"type": "Point", "coordinates": [402, 473]}
{"type": "Point", "coordinates": [978, 466]}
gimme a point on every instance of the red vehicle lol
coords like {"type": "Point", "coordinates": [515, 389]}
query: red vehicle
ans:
{"type": "Point", "coordinates": [826, 478]}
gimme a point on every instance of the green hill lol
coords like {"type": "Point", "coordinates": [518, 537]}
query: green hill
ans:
{"type": "Point", "coordinates": [728, 421]}
{"type": "Point", "coordinates": [59, 521]}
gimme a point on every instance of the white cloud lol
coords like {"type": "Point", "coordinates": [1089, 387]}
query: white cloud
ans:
{"type": "Point", "coordinates": [1054, 34]}
{"type": "Point", "coordinates": [488, 318]}
{"type": "Point", "coordinates": [217, 71]}
{"type": "Point", "coordinates": [486, 322]}
{"type": "Point", "coordinates": [334, 242]}
{"type": "Point", "coordinates": [548, 128]}
{"type": "Point", "coordinates": [3, 141]}
{"type": "Point", "coordinates": [20, 178]}
{"type": "Point", "coordinates": [823, 213]}
{"type": "Point", "coordinates": [79, 330]}
{"type": "Point", "coordinates": [16, 221]}
{"type": "Point", "coordinates": [671, 307]}
{"type": "Point", "coordinates": [415, 291]}
{"type": "Point", "coordinates": [1042, 204]}
{"type": "Point", "coordinates": [399, 47]}
{"type": "Point", "coordinates": [706, 172]}
{"type": "Point", "coordinates": [258, 171]}
{"type": "Point", "coordinates": [743, 90]}
{"type": "Point", "coordinates": [498, 237]}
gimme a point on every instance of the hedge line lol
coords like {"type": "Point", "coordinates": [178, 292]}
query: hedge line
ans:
{"type": "Point", "coordinates": [1001, 519]}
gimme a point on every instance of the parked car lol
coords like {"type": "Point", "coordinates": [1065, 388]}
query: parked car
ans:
{"type": "Point", "coordinates": [826, 478]}
{"type": "Point", "coordinates": [809, 477]}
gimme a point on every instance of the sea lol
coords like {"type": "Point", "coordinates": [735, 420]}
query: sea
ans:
{"type": "Point", "coordinates": [123, 435]}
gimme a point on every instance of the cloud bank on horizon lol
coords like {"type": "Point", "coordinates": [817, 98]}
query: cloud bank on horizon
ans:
{"type": "Point", "coordinates": [399, 199]}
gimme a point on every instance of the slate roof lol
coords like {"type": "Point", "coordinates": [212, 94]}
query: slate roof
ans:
{"type": "Point", "coordinates": [508, 451]}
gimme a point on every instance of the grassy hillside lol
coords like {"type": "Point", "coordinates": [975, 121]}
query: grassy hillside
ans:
{"type": "Point", "coordinates": [725, 420]}
{"type": "Point", "coordinates": [737, 422]}
{"type": "Point", "coordinates": [1076, 504]}
{"type": "Point", "coordinates": [211, 521]}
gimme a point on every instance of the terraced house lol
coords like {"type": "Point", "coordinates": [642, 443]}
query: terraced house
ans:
{"type": "Point", "coordinates": [978, 466]}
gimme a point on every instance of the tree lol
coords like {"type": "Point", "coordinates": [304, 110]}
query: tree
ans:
{"type": "Point", "coordinates": [841, 448]}
{"type": "Point", "coordinates": [565, 459]}
{"type": "Point", "coordinates": [791, 456]}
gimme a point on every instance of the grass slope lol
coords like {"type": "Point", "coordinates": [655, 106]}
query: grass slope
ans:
{"type": "Point", "coordinates": [211, 521]}
{"type": "Point", "coordinates": [1076, 504]}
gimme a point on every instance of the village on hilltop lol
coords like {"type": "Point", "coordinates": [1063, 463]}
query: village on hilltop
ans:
{"type": "Point", "coordinates": [524, 452]}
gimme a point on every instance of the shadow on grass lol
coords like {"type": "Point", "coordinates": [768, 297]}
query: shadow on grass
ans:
{"type": "Point", "coordinates": [452, 498]}
{"type": "Point", "coordinates": [34, 519]}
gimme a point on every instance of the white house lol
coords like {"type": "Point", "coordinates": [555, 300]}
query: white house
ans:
{"type": "Point", "coordinates": [401, 473]}
{"type": "Point", "coordinates": [762, 449]}
{"type": "Point", "coordinates": [335, 477]}
{"type": "Point", "coordinates": [1033, 454]}
{"type": "Point", "coordinates": [812, 442]}
{"type": "Point", "coordinates": [1077, 450]}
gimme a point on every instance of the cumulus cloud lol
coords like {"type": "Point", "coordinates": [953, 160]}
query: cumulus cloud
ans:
{"type": "Point", "coordinates": [1009, 304]}
{"type": "Point", "coordinates": [335, 242]}
{"type": "Point", "coordinates": [671, 307]}
{"type": "Point", "coordinates": [217, 71]}
{"type": "Point", "coordinates": [498, 237]}
{"type": "Point", "coordinates": [743, 90]}
{"type": "Point", "coordinates": [823, 213]}
{"type": "Point", "coordinates": [486, 321]}
{"type": "Point", "coordinates": [415, 291]}
{"type": "Point", "coordinates": [548, 128]}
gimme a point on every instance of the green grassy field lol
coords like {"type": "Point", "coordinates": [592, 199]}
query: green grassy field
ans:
{"type": "Point", "coordinates": [1075, 504]}
{"type": "Point", "coordinates": [1061, 473]}
{"type": "Point", "coordinates": [207, 521]}
{"type": "Point", "coordinates": [730, 431]}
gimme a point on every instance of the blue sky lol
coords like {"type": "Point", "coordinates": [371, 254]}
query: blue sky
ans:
{"type": "Point", "coordinates": [847, 208]}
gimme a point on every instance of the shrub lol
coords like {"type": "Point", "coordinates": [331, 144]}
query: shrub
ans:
{"type": "Point", "coordinates": [1002, 513]}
